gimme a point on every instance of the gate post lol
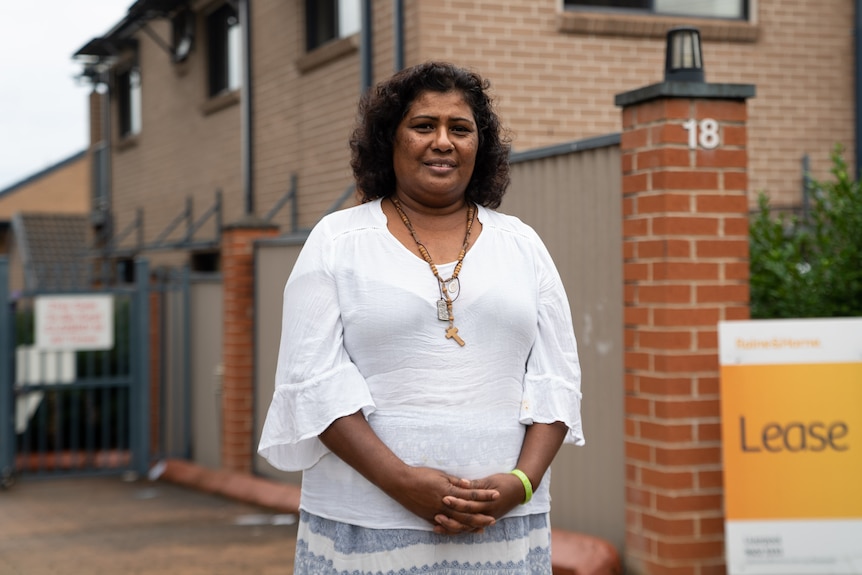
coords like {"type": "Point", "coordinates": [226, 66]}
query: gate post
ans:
{"type": "Point", "coordinates": [140, 394]}
{"type": "Point", "coordinates": [685, 253]}
{"type": "Point", "coordinates": [7, 430]}
{"type": "Point", "coordinates": [238, 340]}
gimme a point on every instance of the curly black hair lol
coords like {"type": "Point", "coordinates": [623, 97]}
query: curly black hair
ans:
{"type": "Point", "coordinates": [381, 111]}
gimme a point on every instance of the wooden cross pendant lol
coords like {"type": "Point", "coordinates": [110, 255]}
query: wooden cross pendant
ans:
{"type": "Point", "coordinates": [452, 333]}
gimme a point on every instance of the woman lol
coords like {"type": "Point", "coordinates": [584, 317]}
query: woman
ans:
{"type": "Point", "coordinates": [428, 372]}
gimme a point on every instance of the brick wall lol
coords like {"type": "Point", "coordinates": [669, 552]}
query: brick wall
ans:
{"type": "Point", "coordinates": [554, 77]}
{"type": "Point", "coordinates": [304, 113]}
{"type": "Point", "coordinates": [556, 81]}
{"type": "Point", "coordinates": [190, 147]}
{"type": "Point", "coordinates": [685, 255]}
{"type": "Point", "coordinates": [183, 150]}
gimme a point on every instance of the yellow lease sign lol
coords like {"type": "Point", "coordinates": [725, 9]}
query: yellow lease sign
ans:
{"type": "Point", "coordinates": [791, 414]}
{"type": "Point", "coordinates": [792, 440]}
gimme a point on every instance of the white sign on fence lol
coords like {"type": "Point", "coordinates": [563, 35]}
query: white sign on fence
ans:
{"type": "Point", "coordinates": [75, 322]}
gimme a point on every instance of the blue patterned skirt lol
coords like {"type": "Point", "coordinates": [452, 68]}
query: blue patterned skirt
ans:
{"type": "Point", "coordinates": [513, 546]}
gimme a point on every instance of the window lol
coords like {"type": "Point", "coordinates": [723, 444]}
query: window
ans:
{"type": "Point", "coordinates": [730, 9]}
{"type": "Point", "coordinates": [330, 19]}
{"type": "Point", "coordinates": [223, 36]}
{"type": "Point", "coordinates": [129, 101]}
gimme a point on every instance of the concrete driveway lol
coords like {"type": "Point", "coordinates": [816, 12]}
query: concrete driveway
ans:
{"type": "Point", "coordinates": [108, 525]}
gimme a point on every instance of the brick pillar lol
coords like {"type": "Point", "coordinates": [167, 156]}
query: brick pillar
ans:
{"type": "Point", "coordinates": [237, 267]}
{"type": "Point", "coordinates": [685, 250]}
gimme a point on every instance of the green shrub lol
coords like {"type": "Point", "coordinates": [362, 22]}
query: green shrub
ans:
{"type": "Point", "coordinates": [810, 266]}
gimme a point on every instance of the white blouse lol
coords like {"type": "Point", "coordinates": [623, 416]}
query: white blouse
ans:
{"type": "Point", "coordinates": [360, 331]}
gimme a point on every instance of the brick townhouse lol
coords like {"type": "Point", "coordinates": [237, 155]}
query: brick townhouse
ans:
{"type": "Point", "coordinates": [184, 123]}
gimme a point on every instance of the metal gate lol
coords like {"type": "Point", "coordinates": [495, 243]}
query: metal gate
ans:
{"type": "Point", "coordinates": [74, 410]}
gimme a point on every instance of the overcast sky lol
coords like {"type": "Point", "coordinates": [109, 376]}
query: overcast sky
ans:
{"type": "Point", "coordinates": [43, 109]}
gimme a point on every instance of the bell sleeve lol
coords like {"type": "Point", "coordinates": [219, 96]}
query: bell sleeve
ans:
{"type": "Point", "coordinates": [315, 380]}
{"type": "Point", "coordinates": [552, 383]}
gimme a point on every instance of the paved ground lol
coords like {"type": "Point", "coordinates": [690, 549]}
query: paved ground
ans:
{"type": "Point", "coordinates": [108, 525]}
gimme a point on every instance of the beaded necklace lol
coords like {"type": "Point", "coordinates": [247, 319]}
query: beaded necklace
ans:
{"type": "Point", "coordinates": [453, 284]}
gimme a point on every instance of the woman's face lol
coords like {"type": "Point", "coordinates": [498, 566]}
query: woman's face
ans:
{"type": "Point", "coordinates": [435, 150]}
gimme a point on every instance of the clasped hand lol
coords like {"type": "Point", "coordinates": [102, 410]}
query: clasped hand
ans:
{"type": "Point", "coordinates": [455, 505]}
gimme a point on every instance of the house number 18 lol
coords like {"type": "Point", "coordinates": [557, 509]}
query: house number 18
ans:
{"type": "Point", "coordinates": [704, 133]}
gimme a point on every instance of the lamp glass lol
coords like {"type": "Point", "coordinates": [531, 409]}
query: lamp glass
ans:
{"type": "Point", "coordinates": [685, 50]}
{"type": "Point", "coordinates": [684, 59]}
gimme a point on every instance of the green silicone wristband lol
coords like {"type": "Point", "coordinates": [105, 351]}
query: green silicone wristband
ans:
{"type": "Point", "coordinates": [528, 487]}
